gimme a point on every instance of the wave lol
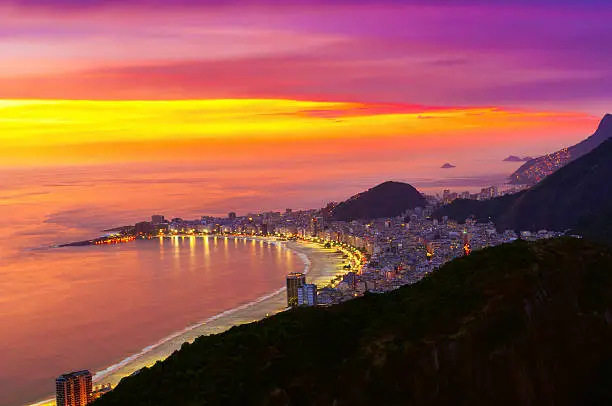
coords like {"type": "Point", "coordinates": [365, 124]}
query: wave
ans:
{"type": "Point", "coordinates": [101, 374]}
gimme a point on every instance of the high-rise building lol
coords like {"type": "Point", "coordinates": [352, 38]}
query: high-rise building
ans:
{"type": "Point", "coordinates": [144, 227]}
{"type": "Point", "coordinates": [73, 389]}
{"type": "Point", "coordinates": [294, 281]}
{"type": "Point", "coordinates": [263, 228]}
{"type": "Point", "coordinates": [231, 215]}
{"type": "Point", "coordinates": [314, 226]}
{"type": "Point", "coordinates": [157, 219]}
{"type": "Point", "coordinates": [307, 295]}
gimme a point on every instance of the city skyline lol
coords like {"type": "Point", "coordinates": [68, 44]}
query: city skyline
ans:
{"type": "Point", "coordinates": [179, 177]}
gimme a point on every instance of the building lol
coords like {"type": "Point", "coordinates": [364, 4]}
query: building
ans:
{"type": "Point", "coordinates": [144, 227]}
{"type": "Point", "coordinates": [100, 390]}
{"type": "Point", "coordinates": [73, 389]}
{"type": "Point", "coordinates": [294, 281]}
{"type": "Point", "coordinates": [314, 227]}
{"type": "Point", "coordinates": [325, 296]}
{"type": "Point", "coordinates": [231, 215]}
{"type": "Point", "coordinates": [263, 228]}
{"type": "Point", "coordinates": [157, 219]}
{"type": "Point", "coordinates": [307, 295]}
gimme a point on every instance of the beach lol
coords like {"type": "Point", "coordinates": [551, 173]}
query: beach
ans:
{"type": "Point", "coordinates": [320, 265]}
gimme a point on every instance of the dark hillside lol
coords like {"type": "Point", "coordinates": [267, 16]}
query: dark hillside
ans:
{"type": "Point", "coordinates": [537, 169]}
{"type": "Point", "coordinates": [518, 324]}
{"type": "Point", "coordinates": [388, 199]}
{"type": "Point", "coordinates": [574, 196]}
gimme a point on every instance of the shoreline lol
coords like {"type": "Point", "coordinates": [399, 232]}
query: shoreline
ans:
{"type": "Point", "coordinates": [320, 266]}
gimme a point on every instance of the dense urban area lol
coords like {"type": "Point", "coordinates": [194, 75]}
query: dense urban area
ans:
{"type": "Point", "coordinates": [381, 254]}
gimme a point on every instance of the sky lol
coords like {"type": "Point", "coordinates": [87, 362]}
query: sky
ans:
{"type": "Point", "coordinates": [112, 110]}
{"type": "Point", "coordinates": [152, 72]}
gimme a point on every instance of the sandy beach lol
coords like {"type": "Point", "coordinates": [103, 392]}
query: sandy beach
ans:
{"type": "Point", "coordinates": [321, 266]}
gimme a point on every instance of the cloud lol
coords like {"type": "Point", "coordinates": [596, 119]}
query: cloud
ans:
{"type": "Point", "coordinates": [89, 4]}
{"type": "Point", "coordinates": [441, 53]}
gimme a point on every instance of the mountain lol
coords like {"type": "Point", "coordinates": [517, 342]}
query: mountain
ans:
{"type": "Point", "coordinates": [518, 324]}
{"type": "Point", "coordinates": [537, 169]}
{"type": "Point", "coordinates": [448, 166]}
{"type": "Point", "coordinates": [388, 199]}
{"type": "Point", "coordinates": [514, 158]}
{"type": "Point", "coordinates": [577, 196]}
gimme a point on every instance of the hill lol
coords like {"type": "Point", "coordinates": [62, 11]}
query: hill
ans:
{"type": "Point", "coordinates": [577, 196]}
{"type": "Point", "coordinates": [523, 323]}
{"type": "Point", "coordinates": [514, 158]}
{"type": "Point", "coordinates": [537, 169]}
{"type": "Point", "coordinates": [389, 199]}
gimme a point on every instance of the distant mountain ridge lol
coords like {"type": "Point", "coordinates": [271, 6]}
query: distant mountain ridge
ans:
{"type": "Point", "coordinates": [576, 197]}
{"type": "Point", "coordinates": [537, 169]}
{"type": "Point", "coordinates": [389, 199]}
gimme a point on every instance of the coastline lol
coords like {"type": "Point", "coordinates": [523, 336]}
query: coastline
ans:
{"type": "Point", "coordinates": [320, 265]}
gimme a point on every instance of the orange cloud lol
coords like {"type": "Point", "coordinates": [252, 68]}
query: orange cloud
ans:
{"type": "Point", "coordinates": [52, 132]}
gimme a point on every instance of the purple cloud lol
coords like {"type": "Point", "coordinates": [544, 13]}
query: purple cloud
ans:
{"type": "Point", "coordinates": [440, 52]}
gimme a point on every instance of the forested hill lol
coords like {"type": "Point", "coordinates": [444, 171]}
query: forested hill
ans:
{"type": "Point", "coordinates": [389, 199]}
{"type": "Point", "coordinates": [577, 197]}
{"type": "Point", "coordinates": [518, 324]}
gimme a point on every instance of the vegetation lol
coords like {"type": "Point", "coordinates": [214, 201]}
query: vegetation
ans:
{"type": "Point", "coordinates": [389, 199]}
{"type": "Point", "coordinates": [577, 197]}
{"type": "Point", "coordinates": [523, 323]}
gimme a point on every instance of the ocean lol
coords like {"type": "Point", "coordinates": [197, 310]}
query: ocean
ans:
{"type": "Point", "coordinates": [91, 307]}
{"type": "Point", "coordinates": [63, 309]}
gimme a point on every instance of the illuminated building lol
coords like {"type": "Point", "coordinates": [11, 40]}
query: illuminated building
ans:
{"type": "Point", "coordinates": [467, 248]}
{"type": "Point", "coordinates": [144, 227]}
{"type": "Point", "coordinates": [350, 279]}
{"type": "Point", "coordinates": [314, 226]}
{"type": "Point", "coordinates": [263, 228]}
{"type": "Point", "coordinates": [100, 390]}
{"type": "Point", "coordinates": [307, 295]}
{"type": "Point", "coordinates": [73, 389]}
{"type": "Point", "coordinates": [294, 281]}
{"type": "Point", "coordinates": [430, 251]}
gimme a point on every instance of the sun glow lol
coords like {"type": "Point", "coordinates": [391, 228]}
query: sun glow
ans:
{"type": "Point", "coordinates": [65, 131]}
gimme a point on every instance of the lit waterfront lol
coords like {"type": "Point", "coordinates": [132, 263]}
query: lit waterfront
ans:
{"type": "Point", "coordinates": [121, 299]}
{"type": "Point", "coordinates": [114, 285]}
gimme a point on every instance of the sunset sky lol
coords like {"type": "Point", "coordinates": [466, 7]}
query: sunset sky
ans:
{"type": "Point", "coordinates": [158, 75]}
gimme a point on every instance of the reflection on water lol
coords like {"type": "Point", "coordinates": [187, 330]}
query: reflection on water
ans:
{"type": "Point", "coordinates": [90, 307]}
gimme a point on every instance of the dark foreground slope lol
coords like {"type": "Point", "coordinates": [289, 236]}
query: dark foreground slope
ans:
{"type": "Point", "coordinates": [524, 323]}
{"type": "Point", "coordinates": [537, 169]}
{"type": "Point", "coordinates": [389, 199]}
{"type": "Point", "coordinates": [577, 197]}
